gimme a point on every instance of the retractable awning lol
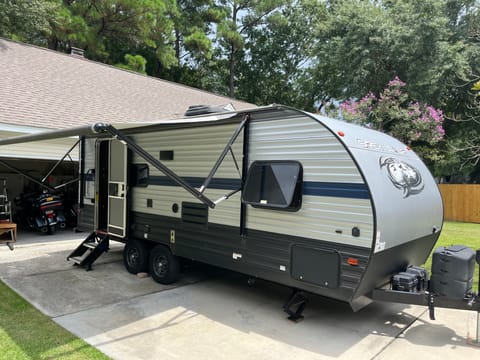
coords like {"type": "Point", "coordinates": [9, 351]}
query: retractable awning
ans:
{"type": "Point", "coordinates": [115, 131]}
{"type": "Point", "coordinates": [104, 129]}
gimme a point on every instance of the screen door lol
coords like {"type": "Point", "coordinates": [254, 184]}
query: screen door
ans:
{"type": "Point", "coordinates": [117, 189]}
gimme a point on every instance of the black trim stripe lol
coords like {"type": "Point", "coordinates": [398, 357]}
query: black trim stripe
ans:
{"type": "Point", "coordinates": [342, 190]}
{"type": "Point", "coordinates": [312, 188]}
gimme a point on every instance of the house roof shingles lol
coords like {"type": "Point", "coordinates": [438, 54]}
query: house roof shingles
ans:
{"type": "Point", "coordinates": [48, 89]}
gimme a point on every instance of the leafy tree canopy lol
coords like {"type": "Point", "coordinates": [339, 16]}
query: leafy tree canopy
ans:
{"type": "Point", "coordinates": [304, 53]}
{"type": "Point", "coordinates": [364, 44]}
{"type": "Point", "coordinates": [418, 125]}
{"type": "Point", "coordinates": [27, 20]}
{"type": "Point", "coordinates": [135, 63]}
{"type": "Point", "coordinates": [432, 45]}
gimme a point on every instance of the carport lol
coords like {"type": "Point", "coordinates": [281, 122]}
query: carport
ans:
{"type": "Point", "coordinates": [28, 169]}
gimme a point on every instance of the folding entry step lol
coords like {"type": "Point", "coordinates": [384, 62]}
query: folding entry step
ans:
{"type": "Point", "coordinates": [90, 250]}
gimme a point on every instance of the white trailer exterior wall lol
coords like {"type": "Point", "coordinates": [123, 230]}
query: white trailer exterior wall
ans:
{"type": "Point", "coordinates": [328, 208]}
{"type": "Point", "coordinates": [345, 239]}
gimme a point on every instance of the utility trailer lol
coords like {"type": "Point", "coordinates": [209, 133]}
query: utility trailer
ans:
{"type": "Point", "coordinates": [316, 204]}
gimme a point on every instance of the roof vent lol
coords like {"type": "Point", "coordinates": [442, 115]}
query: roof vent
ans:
{"type": "Point", "coordinates": [77, 52]}
{"type": "Point", "coordinates": [194, 110]}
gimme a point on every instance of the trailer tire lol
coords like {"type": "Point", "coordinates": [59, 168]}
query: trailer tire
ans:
{"type": "Point", "coordinates": [135, 256]}
{"type": "Point", "coordinates": [164, 267]}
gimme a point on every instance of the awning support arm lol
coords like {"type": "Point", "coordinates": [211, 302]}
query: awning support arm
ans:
{"type": "Point", "coordinates": [67, 183]}
{"type": "Point", "coordinates": [228, 196]}
{"type": "Point", "coordinates": [224, 153]}
{"type": "Point", "coordinates": [236, 163]}
{"type": "Point", "coordinates": [24, 174]}
{"type": "Point", "coordinates": [156, 163]}
{"type": "Point", "coordinates": [67, 154]}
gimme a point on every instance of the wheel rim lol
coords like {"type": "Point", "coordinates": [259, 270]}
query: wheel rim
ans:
{"type": "Point", "coordinates": [133, 257]}
{"type": "Point", "coordinates": [160, 265]}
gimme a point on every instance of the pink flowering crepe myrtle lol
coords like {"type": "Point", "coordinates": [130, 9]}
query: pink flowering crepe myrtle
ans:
{"type": "Point", "coordinates": [394, 113]}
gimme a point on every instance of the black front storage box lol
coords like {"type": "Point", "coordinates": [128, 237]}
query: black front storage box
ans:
{"type": "Point", "coordinates": [405, 281]}
{"type": "Point", "coordinates": [422, 276]}
{"type": "Point", "coordinates": [452, 271]}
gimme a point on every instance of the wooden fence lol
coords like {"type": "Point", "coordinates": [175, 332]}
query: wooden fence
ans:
{"type": "Point", "coordinates": [461, 202]}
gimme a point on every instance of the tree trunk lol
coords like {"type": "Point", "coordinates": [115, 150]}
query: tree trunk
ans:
{"type": "Point", "coordinates": [52, 43]}
{"type": "Point", "coordinates": [176, 72]}
{"type": "Point", "coordinates": [233, 54]}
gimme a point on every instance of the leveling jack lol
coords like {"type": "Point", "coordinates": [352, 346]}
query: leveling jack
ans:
{"type": "Point", "coordinates": [295, 305]}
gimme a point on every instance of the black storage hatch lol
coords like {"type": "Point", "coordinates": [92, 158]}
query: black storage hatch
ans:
{"type": "Point", "coordinates": [317, 266]}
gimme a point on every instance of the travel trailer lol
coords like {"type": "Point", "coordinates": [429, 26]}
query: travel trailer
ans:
{"type": "Point", "coordinates": [316, 204]}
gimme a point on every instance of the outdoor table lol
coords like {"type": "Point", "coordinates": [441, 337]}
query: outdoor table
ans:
{"type": "Point", "coordinates": [11, 228]}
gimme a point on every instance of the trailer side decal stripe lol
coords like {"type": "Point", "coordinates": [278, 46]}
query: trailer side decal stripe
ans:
{"type": "Point", "coordinates": [342, 190]}
{"type": "Point", "coordinates": [312, 188]}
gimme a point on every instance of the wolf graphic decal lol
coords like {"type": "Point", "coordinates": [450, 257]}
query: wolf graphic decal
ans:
{"type": "Point", "coordinates": [403, 175]}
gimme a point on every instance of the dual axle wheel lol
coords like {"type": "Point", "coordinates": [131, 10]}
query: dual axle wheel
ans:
{"type": "Point", "coordinates": [159, 261]}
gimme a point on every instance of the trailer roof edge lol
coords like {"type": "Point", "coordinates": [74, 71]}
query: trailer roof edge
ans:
{"type": "Point", "coordinates": [97, 129]}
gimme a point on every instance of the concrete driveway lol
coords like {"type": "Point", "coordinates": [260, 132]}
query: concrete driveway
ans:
{"type": "Point", "coordinates": [214, 314]}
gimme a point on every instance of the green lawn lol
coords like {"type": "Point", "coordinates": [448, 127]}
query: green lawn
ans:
{"type": "Point", "coordinates": [25, 333]}
{"type": "Point", "coordinates": [454, 233]}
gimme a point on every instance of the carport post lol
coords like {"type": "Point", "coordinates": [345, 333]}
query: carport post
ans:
{"type": "Point", "coordinates": [477, 340]}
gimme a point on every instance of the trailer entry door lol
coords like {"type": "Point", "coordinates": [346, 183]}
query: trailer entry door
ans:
{"type": "Point", "coordinates": [117, 189]}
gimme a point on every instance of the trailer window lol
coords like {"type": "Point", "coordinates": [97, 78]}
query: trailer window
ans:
{"type": "Point", "coordinates": [140, 175]}
{"type": "Point", "coordinates": [274, 184]}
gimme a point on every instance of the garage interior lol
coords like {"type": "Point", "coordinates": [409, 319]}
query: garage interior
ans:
{"type": "Point", "coordinates": [23, 177]}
